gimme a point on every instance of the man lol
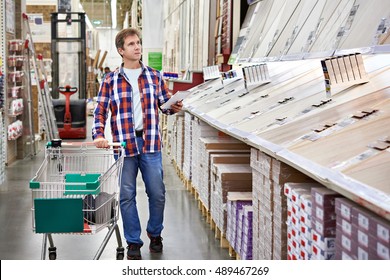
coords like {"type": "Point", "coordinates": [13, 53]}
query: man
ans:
{"type": "Point", "coordinates": [134, 93]}
{"type": "Point", "coordinates": [106, 71]}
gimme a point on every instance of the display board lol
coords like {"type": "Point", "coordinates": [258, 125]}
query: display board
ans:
{"type": "Point", "coordinates": [330, 138]}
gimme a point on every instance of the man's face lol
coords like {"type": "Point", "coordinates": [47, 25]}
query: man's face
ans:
{"type": "Point", "coordinates": [132, 49]}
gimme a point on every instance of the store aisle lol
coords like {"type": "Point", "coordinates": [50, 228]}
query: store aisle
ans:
{"type": "Point", "coordinates": [186, 235]}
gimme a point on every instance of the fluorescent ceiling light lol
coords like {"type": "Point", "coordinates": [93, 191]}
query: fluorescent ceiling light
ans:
{"type": "Point", "coordinates": [113, 13]}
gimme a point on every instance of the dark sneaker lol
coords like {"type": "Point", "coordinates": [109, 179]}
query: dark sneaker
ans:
{"type": "Point", "coordinates": [133, 251]}
{"type": "Point", "coordinates": [156, 245]}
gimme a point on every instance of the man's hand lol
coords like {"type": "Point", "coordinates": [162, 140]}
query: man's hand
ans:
{"type": "Point", "coordinates": [101, 143]}
{"type": "Point", "coordinates": [177, 106]}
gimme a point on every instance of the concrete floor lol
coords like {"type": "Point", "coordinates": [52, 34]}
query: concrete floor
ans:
{"type": "Point", "coordinates": [186, 235]}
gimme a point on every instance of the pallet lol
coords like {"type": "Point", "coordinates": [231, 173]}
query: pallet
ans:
{"type": "Point", "coordinates": [213, 225]}
{"type": "Point", "coordinates": [223, 243]}
{"type": "Point", "coordinates": [232, 252]}
{"type": "Point", "coordinates": [187, 184]}
{"type": "Point", "coordinates": [204, 210]}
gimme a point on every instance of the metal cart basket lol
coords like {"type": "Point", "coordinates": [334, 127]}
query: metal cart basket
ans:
{"type": "Point", "coordinates": [76, 191]}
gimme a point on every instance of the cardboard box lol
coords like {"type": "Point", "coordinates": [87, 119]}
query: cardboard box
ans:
{"type": "Point", "coordinates": [305, 230]}
{"type": "Point", "coordinates": [378, 250]}
{"type": "Point", "coordinates": [304, 186]}
{"type": "Point", "coordinates": [305, 254]}
{"type": "Point", "coordinates": [305, 218]}
{"type": "Point", "coordinates": [261, 162]}
{"type": "Point", "coordinates": [282, 173]}
{"type": "Point", "coordinates": [323, 243]}
{"type": "Point", "coordinates": [232, 172]}
{"type": "Point", "coordinates": [346, 243]}
{"type": "Point", "coordinates": [305, 203]}
{"type": "Point", "coordinates": [362, 253]}
{"type": "Point", "coordinates": [324, 228]}
{"type": "Point", "coordinates": [380, 228]}
{"type": "Point", "coordinates": [360, 237]}
{"type": "Point", "coordinates": [230, 158]}
{"type": "Point", "coordinates": [344, 226]}
{"type": "Point", "coordinates": [341, 254]}
{"type": "Point", "coordinates": [324, 197]}
{"type": "Point", "coordinates": [323, 214]}
{"type": "Point", "coordinates": [362, 218]}
{"type": "Point", "coordinates": [227, 178]}
{"type": "Point", "coordinates": [318, 254]}
{"type": "Point", "coordinates": [344, 208]}
{"type": "Point", "coordinates": [209, 146]}
{"type": "Point", "coordinates": [305, 243]}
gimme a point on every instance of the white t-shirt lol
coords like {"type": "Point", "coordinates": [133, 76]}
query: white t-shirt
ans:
{"type": "Point", "coordinates": [132, 76]}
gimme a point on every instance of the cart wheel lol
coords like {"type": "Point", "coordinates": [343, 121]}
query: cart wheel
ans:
{"type": "Point", "coordinates": [52, 253]}
{"type": "Point", "coordinates": [120, 253]}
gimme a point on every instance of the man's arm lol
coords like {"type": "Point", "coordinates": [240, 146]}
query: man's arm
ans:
{"type": "Point", "coordinates": [177, 107]}
{"type": "Point", "coordinates": [100, 116]}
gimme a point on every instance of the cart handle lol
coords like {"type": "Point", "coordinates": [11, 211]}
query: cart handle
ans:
{"type": "Point", "coordinates": [57, 143]}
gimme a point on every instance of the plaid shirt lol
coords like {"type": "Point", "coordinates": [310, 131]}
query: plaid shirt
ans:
{"type": "Point", "coordinates": [115, 95]}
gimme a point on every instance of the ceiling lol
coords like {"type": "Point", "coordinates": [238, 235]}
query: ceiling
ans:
{"type": "Point", "coordinates": [99, 12]}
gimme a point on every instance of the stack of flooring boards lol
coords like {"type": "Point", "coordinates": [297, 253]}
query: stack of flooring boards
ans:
{"type": "Point", "coordinates": [339, 141]}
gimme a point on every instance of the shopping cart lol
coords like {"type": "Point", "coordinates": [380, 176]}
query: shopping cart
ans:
{"type": "Point", "coordinates": [76, 191]}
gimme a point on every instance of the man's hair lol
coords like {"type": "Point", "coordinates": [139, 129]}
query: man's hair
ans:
{"type": "Point", "coordinates": [121, 36]}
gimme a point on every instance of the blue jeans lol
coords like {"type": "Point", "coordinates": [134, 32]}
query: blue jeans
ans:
{"type": "Point", "coordinates": [150, 165]}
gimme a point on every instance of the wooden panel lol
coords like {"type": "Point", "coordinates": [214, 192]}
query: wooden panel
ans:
{"type": "Point", "coordinates": [335, 14]}
{"type": "Point", "coordinates": [297, 20]}
{"type": "Point", "coordinates": [220, 98]}
{"type": "Point", "coordinates": [256, 25]}
{"type": "Point", "coordinates": [306, 26]}
{"type": "Point", "coordinates": [251, 114]}
{"type": "Point", "coordinates": [365, 23]}
{"type": "Point", "coordinates": [282, 77]}
{"type": "Point", "coordinates": [374, 171]}
{"type": "Point", "coordinates": [282, 107]}
{"type": "Point", "coordinates": [343, 145]}
{"type": "Point", "coordinates": [293, 132]}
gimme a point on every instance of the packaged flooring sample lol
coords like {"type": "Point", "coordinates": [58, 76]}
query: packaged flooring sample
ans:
{"type": "Point", "coordinates": [206, 146]}
{"type": "Point", "coordinates": [360, 234]}
{"type": "Point", "coordinates": [227, 178]}
{"type": "Point", "coordinates": [240, 238]}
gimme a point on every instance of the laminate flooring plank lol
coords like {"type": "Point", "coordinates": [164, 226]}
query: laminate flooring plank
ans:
{"type": "Point", "coordinates": [276, 38]}
{"type": "Point", "coordinates": [332, 23]}
{"type": "Point", "coordinates": [258, 27]}
{"type": "Point", "coordinates": [308, 28]}
{"type": "Point", "coordinates": [343, 145]}
{"type": "Point", "coordinates": [309, 98]}
{"type": "Point", "coordinates": [366, 21]}
{"type": "Point", "coordinates": [285, 105]}
{"type": "Point", "coordinates": [282, 77]}
{"type": "Point", "coordinates": [374, 172]}
{"type": "Point", "coordinates": [296, 130]}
